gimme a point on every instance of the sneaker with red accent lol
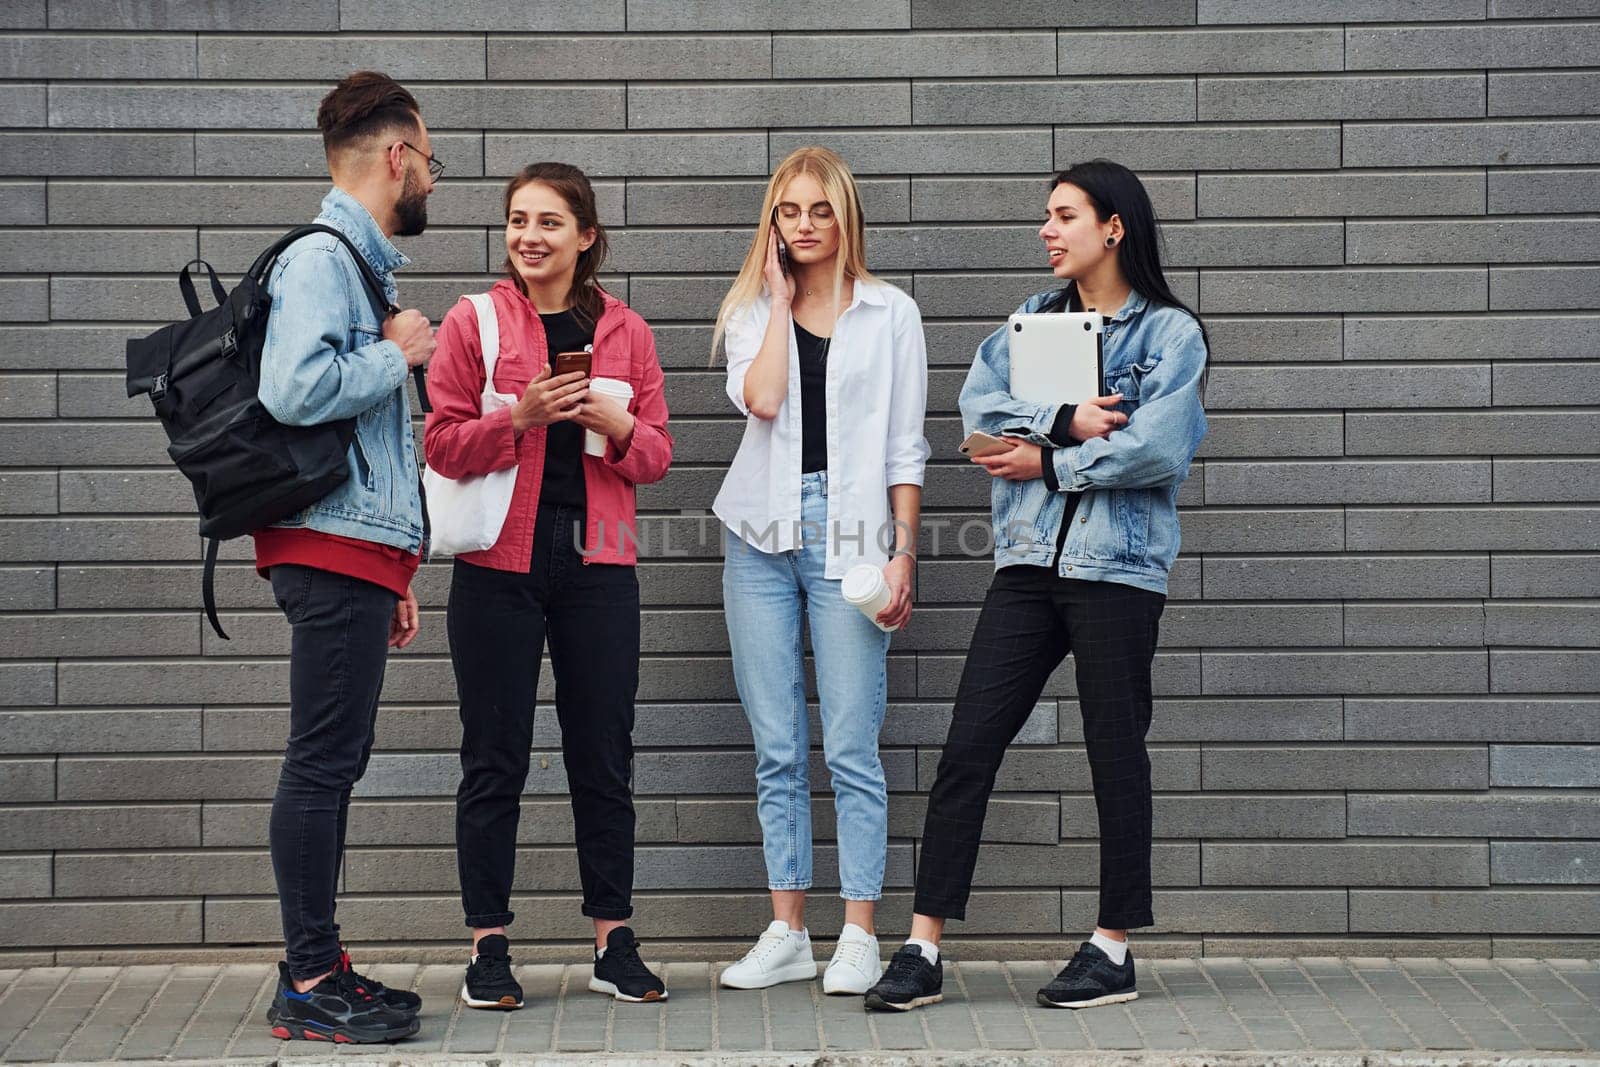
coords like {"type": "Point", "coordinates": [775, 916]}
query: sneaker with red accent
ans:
{"type": "Point", "coordinates": [337, 1009]}
{"type": "Point", "coordinates": [398, 999]}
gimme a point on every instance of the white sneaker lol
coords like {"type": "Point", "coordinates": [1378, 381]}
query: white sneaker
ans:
{"type": "Point", "coordinates": [777, 957]}
{"type": "Point", "coordinates": [856, 965]}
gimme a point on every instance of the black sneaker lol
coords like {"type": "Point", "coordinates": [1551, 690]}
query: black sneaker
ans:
{"type": "Point", "coordinates": [1090, 980]}
{"type": "Point", "coordinates": [336, 1009]}
{"type": "Point", "coordinates": [908, 982]}
{"type": "Point", "coordinates": [489, 983]}
{"type": "Point", "coordinates": [398, 999]}
{"type": "Point", "coordinates": [621, 973]}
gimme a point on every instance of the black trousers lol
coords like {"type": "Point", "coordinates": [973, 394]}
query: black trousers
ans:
{"type": "Point", "coordinates": [498, 623]}
{"type": "Point", "coordinates": [1031, 619]}
{"type": "Point", "coordinates": [338, 650]}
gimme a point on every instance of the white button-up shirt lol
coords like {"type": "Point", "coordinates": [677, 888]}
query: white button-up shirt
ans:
{"type": "Point", "coordinates": [877, 391]}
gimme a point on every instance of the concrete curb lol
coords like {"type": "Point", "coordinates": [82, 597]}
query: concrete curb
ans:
{"type": "Point", "coordinates": [1298, 1058]}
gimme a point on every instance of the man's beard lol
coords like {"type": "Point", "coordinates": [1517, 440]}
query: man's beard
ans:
{"type": "Point", "coordinates": [411, 210]}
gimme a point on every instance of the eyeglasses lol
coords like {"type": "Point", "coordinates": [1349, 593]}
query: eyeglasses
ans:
{"type": "Point", "coordinates": [821, 215]}
{"type": "Point", "coordinates": [435, 168]}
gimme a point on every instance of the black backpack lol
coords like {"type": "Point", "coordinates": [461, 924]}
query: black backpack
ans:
{"type": "Point", "coordinates": [202, 376]}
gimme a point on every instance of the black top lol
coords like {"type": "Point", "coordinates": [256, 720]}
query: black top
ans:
{"type": "Point", "coordinates": [813, 399]}
{"type": "Point", "coordinates": [563, 450]}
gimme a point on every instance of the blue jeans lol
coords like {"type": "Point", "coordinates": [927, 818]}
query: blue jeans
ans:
{"type": "Point", "coordinates": [762, 594]}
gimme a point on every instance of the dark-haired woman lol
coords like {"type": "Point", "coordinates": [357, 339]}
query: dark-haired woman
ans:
{"type": "Point", "coordinates": [562, 569]}
{"type": "Point", "coordinates": [1086, 529]}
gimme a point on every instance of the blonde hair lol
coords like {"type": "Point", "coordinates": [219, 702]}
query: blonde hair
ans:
{"type": "Point", "coordinates": [839, 186]}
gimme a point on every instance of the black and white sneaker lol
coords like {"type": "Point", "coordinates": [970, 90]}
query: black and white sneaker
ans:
{"type": "Point", "coordinates": [337, 1010]}
{"type": "Point", "coordinates": [621, 973]}
{"type": "Point", "coordinates": [1090, 980]}
{"type": "Point", "coordinates": [398, 999]}
{"type": "Point", "coordinates": [489, 983]}
{"type": "Point", "coordinates": [908, 982]}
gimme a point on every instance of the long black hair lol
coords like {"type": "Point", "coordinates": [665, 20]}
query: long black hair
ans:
{"type": "Point", "coordinates": [1115, 190]}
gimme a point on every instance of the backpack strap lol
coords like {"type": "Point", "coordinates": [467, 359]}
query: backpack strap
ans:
{"type": "Point", "coordinates": [208, 587]}
{"type": "Point", "coordinates": [186, 286]}
{"type": "Point", "coordinates": [258, 271]}
{"type": "Point", "coordinates": [264, 262]}
{"type": "Point", "coordinates": [488, 335]}
{"type": "Point", "coordinates": [269, 256]}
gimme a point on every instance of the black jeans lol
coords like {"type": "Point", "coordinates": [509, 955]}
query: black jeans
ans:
{"type": "Point", "coordinates": [338, 651]}
{"type": "Point", "coordinates": [498, 622]}
{"type": "Point", "coordinates": [1030, 620]}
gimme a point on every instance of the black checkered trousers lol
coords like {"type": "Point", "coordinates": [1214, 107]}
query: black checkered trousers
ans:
{"type": "Point", "coordinates": [1031, 619]}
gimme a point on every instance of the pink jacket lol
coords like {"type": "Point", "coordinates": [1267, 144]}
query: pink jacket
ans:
{"type": "Point", "coordinates": [460, 442]}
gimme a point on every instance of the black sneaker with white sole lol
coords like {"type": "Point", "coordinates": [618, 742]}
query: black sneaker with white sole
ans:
{"type": "Point", "coordinates": [489, 983]}
{"type": "Point", "coordinates": [337, 1010]}
{"type": "Point", "coordinates": [622, 974]}
{"type": "Point", "coordinates": [908, 982]}
{"type": "Point", "coordinates": [1090, 980]}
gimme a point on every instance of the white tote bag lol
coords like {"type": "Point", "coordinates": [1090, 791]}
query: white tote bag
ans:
{"type": "Point", "coordinates": [468, 513]}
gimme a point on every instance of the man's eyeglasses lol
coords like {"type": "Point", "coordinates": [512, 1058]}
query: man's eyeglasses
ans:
{"type": "Point", "coordinates": [435, 168]}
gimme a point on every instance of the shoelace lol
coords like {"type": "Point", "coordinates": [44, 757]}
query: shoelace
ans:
{"type": "Point", "coordinates": [857, 954]}
{"type": "Point", "coordinates": [494, 969]}
{"type": "Point", "coordinates": [1079, 964]}
{"type": "Point", "coordinates": [369, 987]}
{"type": "Point", "coordinates": [354, 988]}
{"type": "Point", "coordinates": [632, 965]}
{"type": "Point", "coordinates": [903, 965]}
{"type": "Point", "coordinates": [765, 946]}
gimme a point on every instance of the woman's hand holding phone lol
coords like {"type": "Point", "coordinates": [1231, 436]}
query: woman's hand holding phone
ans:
{"type": "Point", "coordinates": [1022, 461]}
{"type": "Point", "coordinates": [549, 399]}
{"type": "Point", "coordinates": [780, 283]}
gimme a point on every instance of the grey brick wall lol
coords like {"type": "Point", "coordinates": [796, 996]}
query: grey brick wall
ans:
{"type": "Point", "coordinates": [1378, 727]}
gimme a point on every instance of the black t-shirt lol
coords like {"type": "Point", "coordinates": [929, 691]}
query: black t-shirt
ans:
{"type": "Point", "coordinates": [563, 451]}
{"type": "Point", "coordinates": [813, 399]}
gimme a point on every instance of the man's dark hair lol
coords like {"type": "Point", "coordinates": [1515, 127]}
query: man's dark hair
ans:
{"type": "Point", "coordinates": [364, 105]}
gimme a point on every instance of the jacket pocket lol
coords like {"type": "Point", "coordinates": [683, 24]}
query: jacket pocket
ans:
{"type": "Point", "coordinates": [1130, 508]}
{"type": "Point", "coordinates": [363, 465]}
{"type": "Point", "coordinates": [1020, 504]}
{"type": "Point", "coordinates": [1129, 381]}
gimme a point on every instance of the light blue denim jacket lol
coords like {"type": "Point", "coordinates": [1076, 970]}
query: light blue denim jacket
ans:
{"type": "Point", "coordinates": [325, 359]}
{"type": "Point", "coordinates": [1126, 526]}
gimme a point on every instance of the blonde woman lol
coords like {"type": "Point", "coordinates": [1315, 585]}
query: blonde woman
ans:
{"type": "Point", "coordinates": [829, 367]}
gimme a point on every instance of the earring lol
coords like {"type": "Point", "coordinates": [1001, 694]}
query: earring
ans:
{"type": "Point", "coordinates": [1111, 242]}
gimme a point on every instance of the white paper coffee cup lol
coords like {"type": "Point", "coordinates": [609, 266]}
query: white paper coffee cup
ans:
{"type": "Point", "coordinates": [620, 391]}
{"type": "Point", "coordinates": [865, 587]}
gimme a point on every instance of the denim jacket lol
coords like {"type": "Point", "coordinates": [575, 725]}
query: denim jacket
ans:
{"type": "Point", "coordinates": [1126, 526]}
{"type": "Point", "coordinates": [325, 359]}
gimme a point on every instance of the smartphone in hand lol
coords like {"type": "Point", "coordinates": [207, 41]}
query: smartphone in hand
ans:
{"type": "Point", "coordinates": [983, 444]}
{"type": "Point", "coordinates": [783, 249]}
{"type": "Point", "coordinates": [571, 362]}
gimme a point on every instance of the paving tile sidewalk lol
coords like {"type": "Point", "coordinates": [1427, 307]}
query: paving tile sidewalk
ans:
{"type": "Point", "coordinates": [1301, 1011]}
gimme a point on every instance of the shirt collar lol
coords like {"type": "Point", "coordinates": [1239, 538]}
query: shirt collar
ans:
{"type": "Point", "coordinates": [864, 293]}
{"type": "Point", "coordinates": [869, 293]}
{"type": "Point", "coordinates": [350, 217]}
{"type": "Point", "coordinates": [1135, 303]}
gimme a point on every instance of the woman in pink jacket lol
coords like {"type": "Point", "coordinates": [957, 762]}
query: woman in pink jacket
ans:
{"type": "Point", "coordinates": [563, 568]}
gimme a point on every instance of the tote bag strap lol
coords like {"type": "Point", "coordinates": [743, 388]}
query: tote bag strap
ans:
{"type": "Point", "coordinates": [488, 336]}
